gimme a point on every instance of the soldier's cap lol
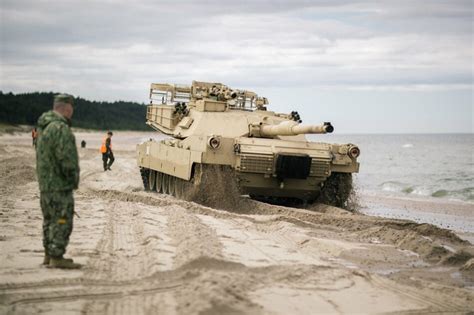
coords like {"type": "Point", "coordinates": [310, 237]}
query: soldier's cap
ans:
{"type": "Point", "coordinates": [64, 98]}
{"type": "Point", "coordinates": [110, 133]}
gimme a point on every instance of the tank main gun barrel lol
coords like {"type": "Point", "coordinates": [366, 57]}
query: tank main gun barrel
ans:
{"type": "Point", "coordinates": [292, 128]}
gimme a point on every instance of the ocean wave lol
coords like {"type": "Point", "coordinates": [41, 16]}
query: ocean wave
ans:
{"type": "Point", "coordinates": [464, 194]}
{"type": "Point", "coordinates": [440, 193]}
{"type": "Point", "coordinates": [459, 178]}
{"type": "Point", "coordinates": [394, 186]}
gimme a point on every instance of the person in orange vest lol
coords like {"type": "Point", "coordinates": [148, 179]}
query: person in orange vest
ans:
{"type": "Point", "coordinates": [34, 136]}
{"type": "Point", "coordinates": [106, 150]}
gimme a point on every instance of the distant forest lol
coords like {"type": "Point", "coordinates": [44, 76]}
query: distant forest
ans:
{"type": "Point", "coordinates": [25, 109]}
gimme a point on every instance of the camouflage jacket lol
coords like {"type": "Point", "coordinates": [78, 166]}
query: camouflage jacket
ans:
{"type": "Point", "coordinates": [57, 163]}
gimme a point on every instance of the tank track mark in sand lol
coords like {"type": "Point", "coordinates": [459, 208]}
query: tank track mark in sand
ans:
{"type": "Point", "coordinates": [401, 233]}
{"type": "Point", "coordinates": [227, 277]}
{"type": "Point", "coordinates": [131, 266]}
{"type": "Point", "coordinates": [417, 295]}
{"type": "Point", "coordinates": [93, 292]}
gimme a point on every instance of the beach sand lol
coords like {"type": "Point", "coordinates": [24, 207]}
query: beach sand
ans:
{"type": "Point", "coordinates": [147, 253]}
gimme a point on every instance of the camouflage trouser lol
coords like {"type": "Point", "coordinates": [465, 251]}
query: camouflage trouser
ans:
{"type": "Point", "coordinates": [58, 211]}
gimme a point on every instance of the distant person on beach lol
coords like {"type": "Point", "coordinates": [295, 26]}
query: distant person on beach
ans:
{"type": "Point", "coordinates": [106, 150]}
{"type": "Point", "coordinates": [57, 166]}
{"type": "Point", "coordinates": [83, 144]}
{"type": "Point", "coordinates": [34, 135]}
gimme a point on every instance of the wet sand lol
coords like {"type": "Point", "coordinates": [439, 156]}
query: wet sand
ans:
{"type": "Point", "coordinates": [454, 215]}
{"type": "Point", "coordinates": [147, 253]}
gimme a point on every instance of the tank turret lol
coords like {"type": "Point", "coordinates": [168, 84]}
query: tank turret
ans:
{"type": "Point", "coordinates": [210, 124]}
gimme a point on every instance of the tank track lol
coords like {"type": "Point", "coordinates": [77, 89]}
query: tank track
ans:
{"type": "Point", "coordinates": [211, 185]}
{"type": "Point", "coordinates": [337, 191]}
{"type": "Point", "coordinates": [144, 173]}
{"type": "Point", "coordinates": [155, 181]}
{"type": "Point", "coordinates": [216, 186]}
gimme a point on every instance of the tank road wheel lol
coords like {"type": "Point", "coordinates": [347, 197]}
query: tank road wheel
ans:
{"type": "Point", "coordinates": [159, 181]}
{"type": "Point", "coordinates": [179, 188]}
{"type": "Point", "coordinates": [144, 174]}
{"type": "Point", "coordinates": [337, 190]}
{"type": "Point", "coordinates": [172, 186]}
{"type": "Point", "coordinates": [152, 181]}
{"type": "Point", "coordinates": [165, 183]}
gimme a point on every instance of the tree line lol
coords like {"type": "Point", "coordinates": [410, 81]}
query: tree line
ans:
{"type": "Point", "coordinates": [25, 109]}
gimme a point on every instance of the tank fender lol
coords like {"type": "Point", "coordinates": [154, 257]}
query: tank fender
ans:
{"type": "Point", "coordinates": [168, 159]}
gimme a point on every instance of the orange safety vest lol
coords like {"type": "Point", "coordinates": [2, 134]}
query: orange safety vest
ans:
{"type": "Point", "coordinates": [103, 147]}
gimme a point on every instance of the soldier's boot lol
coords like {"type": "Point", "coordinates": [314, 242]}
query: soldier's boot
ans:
{"type": "Point", "coordinates": [47, 260]}
{"type": "Point", "coordinates": [63, 263]}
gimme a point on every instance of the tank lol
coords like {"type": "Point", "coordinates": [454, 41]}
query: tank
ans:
{"type": "Point", "coordinates": [215, 131]}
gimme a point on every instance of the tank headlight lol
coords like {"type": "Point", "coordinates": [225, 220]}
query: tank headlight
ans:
{"type": "Point", "coordinates": [214, 142]}
{"type": "Point", "coordinates": [354, 152]}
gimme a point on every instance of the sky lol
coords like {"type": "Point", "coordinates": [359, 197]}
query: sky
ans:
{"type": "Point", "coordinates": [401, 66]}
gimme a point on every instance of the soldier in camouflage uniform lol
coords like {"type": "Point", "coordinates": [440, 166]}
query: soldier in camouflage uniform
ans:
{"type": "Point", "coordinates": [57, 166]}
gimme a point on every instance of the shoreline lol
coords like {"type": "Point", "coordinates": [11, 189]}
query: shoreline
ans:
{"type": "Point", "coordinates": [457, 216]}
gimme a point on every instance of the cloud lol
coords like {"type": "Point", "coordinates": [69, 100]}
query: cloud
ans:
{"type": "Point", "coordinates": [115, 49]}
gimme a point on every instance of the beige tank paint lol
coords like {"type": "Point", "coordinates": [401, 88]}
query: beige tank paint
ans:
{"type": "Point", "coordinates": [161, 156]}
{"type": "Point", "coordinates": [209, 123]}
{"type": "Point", "coordinates": [289, 128]}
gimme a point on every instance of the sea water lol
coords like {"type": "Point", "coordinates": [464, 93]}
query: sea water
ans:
{"type": "Point", "coordinates": [422, 166]}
